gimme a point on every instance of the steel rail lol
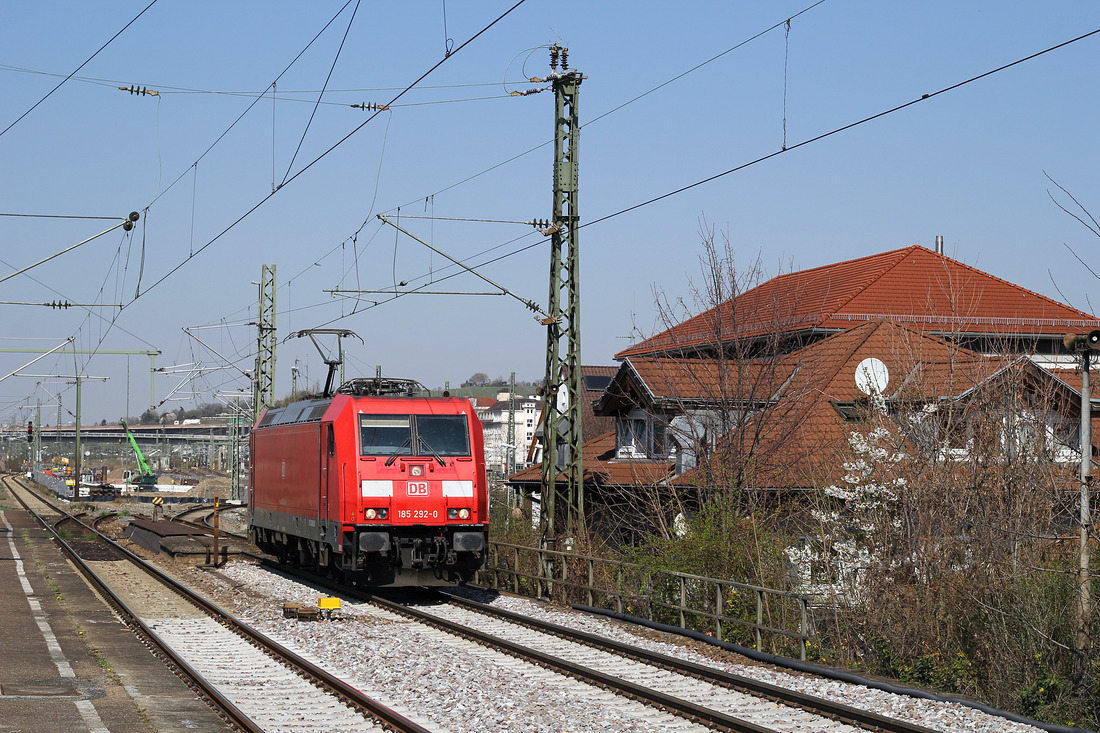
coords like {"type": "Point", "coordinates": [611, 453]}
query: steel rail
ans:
{"type": "Point", "coordinates": [224, 707]}
{"type": "Point", "coordinates": [319, 676]}
{"type": "Point", "coordinates": [683, 708]}
{"type": "Point", "coordinates": [790, 698]}
{"type": "Point", "coordinates": [821, 706]}
{"type": "Point", "coordinates": [669, 703]}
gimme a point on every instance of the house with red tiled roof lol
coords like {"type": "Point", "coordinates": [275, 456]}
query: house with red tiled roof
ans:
{"type": "Point", "coordinates": [914, 285]}
{"type": "Point", "coordinates": [904, 333]}
{"type": "Point", "coordinates": [688, 428]}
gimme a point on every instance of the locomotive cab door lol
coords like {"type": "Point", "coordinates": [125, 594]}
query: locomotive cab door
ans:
{"type": "Point", "coordinates": [327, 487]}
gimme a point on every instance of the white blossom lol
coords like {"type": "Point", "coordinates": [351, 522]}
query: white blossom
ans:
{"type": "Point", "coordinates": [855, 533]}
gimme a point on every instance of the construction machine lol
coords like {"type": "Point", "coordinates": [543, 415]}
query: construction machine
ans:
{"type": "Point", "coordinates": [146, 479]}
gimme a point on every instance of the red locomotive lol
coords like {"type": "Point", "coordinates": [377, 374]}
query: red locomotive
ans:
{"type": "Point", "coordinates": [373, 482]}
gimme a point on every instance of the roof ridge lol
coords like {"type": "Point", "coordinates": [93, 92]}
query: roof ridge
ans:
{"type": "Point", "coordinates": [871, 326]}
{"type": "Point", "coordinates": [899, 257]}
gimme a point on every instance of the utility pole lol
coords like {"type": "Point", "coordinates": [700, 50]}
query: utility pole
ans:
{"type": "Point", "coordinates": [563, 366]}
{"type": "Point", "coordinates": [1084, 345]}
{"type": "Point", "coordinates": [263, 380]}
{"type": "Point", "coordinates": [235, 458]}
{"type": "Point", "coordinates": [37, 437]}
{"type": "Point", "coordinates": [77, 453]}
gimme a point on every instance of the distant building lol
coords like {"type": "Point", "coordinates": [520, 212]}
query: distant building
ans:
{"type": "Point", "coordinates": [493, 414]}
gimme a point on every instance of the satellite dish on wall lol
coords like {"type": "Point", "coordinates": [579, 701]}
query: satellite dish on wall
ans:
{"type": "Point", "coordinates": [872, 376]}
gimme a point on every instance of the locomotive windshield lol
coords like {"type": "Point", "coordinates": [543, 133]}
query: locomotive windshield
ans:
{"type": "Point", "coordinates": [414, 435]}
{"type": "Point", "coordinates": [385, 435]}
{"type": "Point", "coordinates": [442, 435]}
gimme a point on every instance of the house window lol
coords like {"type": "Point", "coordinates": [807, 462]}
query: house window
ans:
{"type": "Point", "coordinates": [659, 447]}
{"type": "Point", "coordinates": [1067, 435]}
{"type": "Point", "coordinates": [641, 436]}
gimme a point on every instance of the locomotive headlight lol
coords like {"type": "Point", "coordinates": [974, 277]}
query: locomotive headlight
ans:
{"type": "Point", "coordinates": [379, 513]}
{"type": "Point", "coordinates": [370, 514]}
{"type": "Point", "coordinates": [463, 513]}
{"type": "Point", "coordinates": [458, 513]}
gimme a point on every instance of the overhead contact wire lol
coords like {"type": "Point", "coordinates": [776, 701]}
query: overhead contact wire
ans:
{"type": "Point", "coordinates": [255, 101]}
{"type": "Point", "coordinates": [335, 145]}
{"type": "Point", "coordinates": [627, 103]}
{"type": "Point", "coordinates": [322, 92]}
{"type": "Point", "coordinates": [778, 152]}
{"type": "Point", "coordinates": [898, 108]}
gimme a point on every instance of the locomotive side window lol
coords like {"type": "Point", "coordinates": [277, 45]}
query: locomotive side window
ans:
{"type": "Point", "coordinates": [444, 435]}
{"type": "Point", "coordinates": [385, 435]}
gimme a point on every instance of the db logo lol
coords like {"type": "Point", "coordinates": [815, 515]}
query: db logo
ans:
{"type": "Point", "coordinates": [417, 488]}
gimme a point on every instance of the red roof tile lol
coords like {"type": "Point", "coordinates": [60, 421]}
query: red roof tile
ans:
{"type": "Point", "coordinates": [912, 285]}
{"type": "Point", "coordinates": [798, 445]}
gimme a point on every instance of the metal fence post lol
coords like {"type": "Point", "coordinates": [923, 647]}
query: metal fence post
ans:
{"type": "Point", "coordinates": [591, 580]}
{"type": "Point", "coordinates": [683, 599]}
{"type": "Point", "coordinates": [542, 568]}
{"type": "Point", "coordinates": [718, 611]}
{"type": "Point", "coordinates": [619, 587]}
{"type": "Point", "coordinates": [803, 628]}
{"type": "Point", "coordinates": [564, 576]}
{"type": "Point", "coordinates": [759, 620]}
{"type": "Point", "coordinates": [515, 571]}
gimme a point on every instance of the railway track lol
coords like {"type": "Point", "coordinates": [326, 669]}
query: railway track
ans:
{"type": "Point", "coordinates": [255, 683]}
{"type": "Point", "coordinates": [565, 663]}
{"type": "Point", "coordinates": [773, 707]}
{"type": "Point", "coordinates": [717, 699]}
{"type": "Point", "coordinates": [705, 695]}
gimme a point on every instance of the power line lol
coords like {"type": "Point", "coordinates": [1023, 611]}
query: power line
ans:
{"type": "Point", "coordinates": [761, 159]}
{"type": "Point", "coordinates": [322, 92]}
{"type": "Point", "coordinates": [60, 83]}
{"type": "Point", "coordinates": [60, 216]}
{"type": "Point", "coordinates": [127, 223]}
{"type": "Point", "coordinates": [323, 155]}
{"type": "Point", "coordinates": [168, 89]}
{"type": "Point", "coordinates": [842, 129]}
{"type": "Point", "coordinates": [91, 313]}
{"type": "Point", "coordinates": [630, 101]}
{"type": "Point", "coordinates": [250, 106]}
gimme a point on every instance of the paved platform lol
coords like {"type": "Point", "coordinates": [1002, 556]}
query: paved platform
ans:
{"type": "Point", "coordinates": [67, 664]}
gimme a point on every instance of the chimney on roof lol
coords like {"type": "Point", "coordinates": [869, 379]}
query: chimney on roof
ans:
{"type": "Point", "coordinates": [939, 244]}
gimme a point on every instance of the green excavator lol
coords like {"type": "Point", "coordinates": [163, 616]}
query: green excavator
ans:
{"type": "Point", "coordinates": [146, 480]}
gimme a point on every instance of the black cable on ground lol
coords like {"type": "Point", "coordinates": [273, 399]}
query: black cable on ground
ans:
{"type": "Point", "coordinates": [827, 672]}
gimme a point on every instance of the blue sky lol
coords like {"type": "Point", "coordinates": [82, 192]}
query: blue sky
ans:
{"type": "Point", "coordinates": [970, 164]}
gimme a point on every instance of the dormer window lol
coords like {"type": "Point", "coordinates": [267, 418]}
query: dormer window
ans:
{"type": "Point", "coordinates": [638, 435]}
